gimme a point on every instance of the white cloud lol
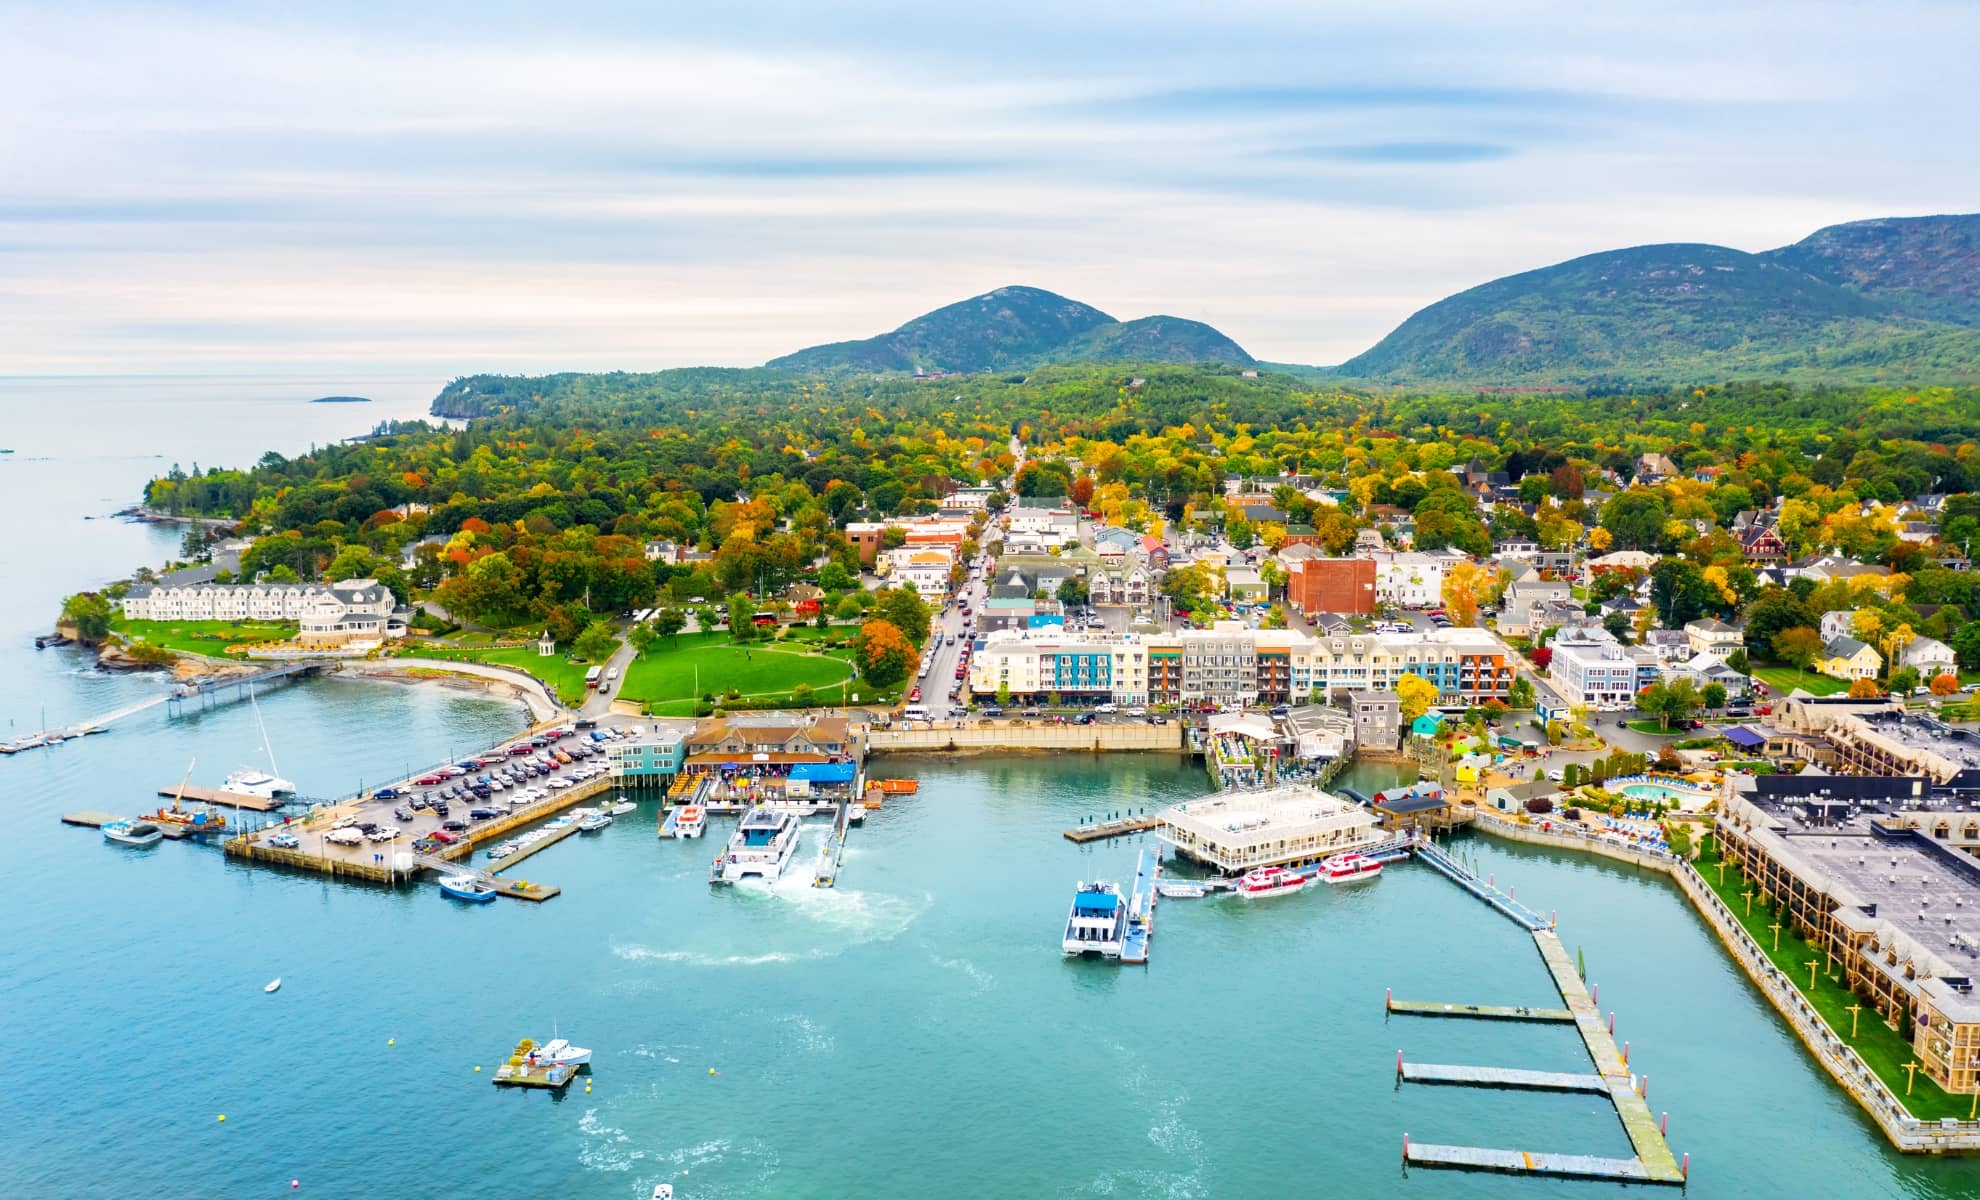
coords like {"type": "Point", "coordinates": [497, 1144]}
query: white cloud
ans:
{"type": "Point", "coordinates": [459, 190]}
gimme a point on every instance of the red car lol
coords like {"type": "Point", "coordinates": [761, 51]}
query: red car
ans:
{"type": "Point", "coordinates": [428, 780]}
{"type": "Point", "coordinates": [914, 695]}
{"type": "Point", "coordinates": [443, 837]}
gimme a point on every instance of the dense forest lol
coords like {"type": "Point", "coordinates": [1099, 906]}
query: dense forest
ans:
{"type": "Point", "coordinates": [551, 493]}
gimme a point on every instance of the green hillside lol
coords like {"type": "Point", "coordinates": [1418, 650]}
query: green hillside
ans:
{"type": "Point", "coordinates": [1872, 300]}
{"type": "Point", "coordinates": [1019, 327]}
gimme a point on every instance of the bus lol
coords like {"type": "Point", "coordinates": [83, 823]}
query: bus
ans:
{"type": "Point", "coordinates": [591, 677]}
{"type": "Point", "coordinates": [914, 712]}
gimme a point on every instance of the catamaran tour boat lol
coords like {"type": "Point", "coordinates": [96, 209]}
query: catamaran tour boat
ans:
{"type": "Point", "coordinates": [253, 781]}
{"type": "Point", "coordinates": [133, 833]}
{"type": "Point", "coordinates": [691, 822]}
{"type": "Point", "coordinates": [1097, 923]}
{"type": "Point", "coordinates": [761, 847]}
{"type": "Point", "coordinates": [1349, 867]}
{"type": "Point", "coordinates": [1270, 881]}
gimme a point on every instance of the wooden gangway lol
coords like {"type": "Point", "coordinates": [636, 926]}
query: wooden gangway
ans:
{"type": "Point", "coordinates": [833, 852]}
{"type": "Point", "coordinates": [1499, 1077]}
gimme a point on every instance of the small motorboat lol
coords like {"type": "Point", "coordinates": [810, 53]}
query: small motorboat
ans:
{"type": "Point", "coordinates": [557, 1050]}
{"type": "Point", "coordinates": [466, 887]}
{"type": "Point", "coordinates": [1182, 889]}
{"type": "Point", "coordinates": [622, 807]}
{"type": "Point", "coordinates": [274, 985]}
{"type": "Point", "coordinates": [133, 833]}
{"type": "Point", "coordinates": [595, 822]}
{"type": "Point", "coordinates": [663, 1191]}
{"type": "Point", "coordinates": [692, 822]}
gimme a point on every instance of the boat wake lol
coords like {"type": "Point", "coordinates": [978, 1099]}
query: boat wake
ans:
{"type": "Point", "coordinates": [983, 979]}
{"type": "Point", "coordinates": [696, 958]}
{"type": "Point", "coordinates": [606, 1148]}
{"type": "Point", "coordinates": [808, 1036]}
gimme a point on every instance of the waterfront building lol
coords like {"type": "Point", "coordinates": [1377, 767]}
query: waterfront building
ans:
{"type": "Point", "coordinates": [1231, 664]}
{"type": "Point", "coordinates": [1888, 902]}
{"type": "Point", "coordinates": [650, 758]}
{"type": "Point", "coordinates": [1235, 832]}
{"type": "Point", "coordinates": [1377, 719]}
{"type": "Point", "coordinates": [252, 601]}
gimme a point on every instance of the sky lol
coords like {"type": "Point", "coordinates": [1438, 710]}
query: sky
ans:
{"type": "Point", "coordinates": [238, 187]}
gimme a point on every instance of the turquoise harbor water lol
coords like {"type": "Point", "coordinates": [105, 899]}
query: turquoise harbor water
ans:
{"type": "Point", "coordinates": [914, 1033]}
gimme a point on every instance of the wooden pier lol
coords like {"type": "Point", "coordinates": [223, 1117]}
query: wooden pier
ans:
{"type": "Point", "coordinates": [97, 820]}
{"type": "Point", "coordinates": [1499, 1077]}
{"type": "Point", "coordinates": [514, 889]}
{"type": "Point", "coordinates": [1483, 1012]}
{"type": "Point", "coordinates": [541, 844]}
{"type": "Point", "coordinates": [1526, 1162]}
{"type": "Point", "coordinates": [206, 795]}
{"type": "Point", "coordinates": [1119, 827]}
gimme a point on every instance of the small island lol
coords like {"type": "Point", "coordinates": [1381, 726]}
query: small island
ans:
{"type": "Point", "coordinates": [341, 400]}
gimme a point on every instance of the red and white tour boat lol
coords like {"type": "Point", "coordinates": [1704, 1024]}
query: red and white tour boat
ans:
{"type": "Point", "coordinates": [1349, 867]}
{"type": "Point", "coordinates": [1270, 881]}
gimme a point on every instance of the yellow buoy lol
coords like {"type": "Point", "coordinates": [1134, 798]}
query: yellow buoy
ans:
{"type": "Point", "coordinates": [711, 1070]}
{"type": "Point", "coordinates": [477, 1070]}
{"type": "Point", "coordinates": [223, 1116]}
{"type": "Point", "coordinates": [391, 1041]}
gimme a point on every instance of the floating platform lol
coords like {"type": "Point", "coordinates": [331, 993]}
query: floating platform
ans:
{"type": "Point", "coordinates": [670, 823]}
{"type": "Point", "coordinates": [1529, 1162]}
{"type": "Point", "coordinates": [1483, 1012]}
{"type": "Point", "coordinates": [1119, 827]}
{"type": "Point", "coordinates": [97, 820]}
{"type": "Point", "coordinates": [204, 795]}
{"type": "Point", "coordinates": [552, 1076]}
{"type": "Point", "coordinates": [1500, 1077]}
{"type": "Point", "coordinates": [894, 787]}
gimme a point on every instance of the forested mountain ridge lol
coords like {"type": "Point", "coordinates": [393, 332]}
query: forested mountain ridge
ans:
{"type": "Point", "coordinates": [1019, 327]}
{"type": "Point", "coordinates": [1870, 300]}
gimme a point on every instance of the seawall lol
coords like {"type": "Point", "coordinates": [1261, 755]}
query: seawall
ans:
{"type": "Point", "coordinates": [995, 739]}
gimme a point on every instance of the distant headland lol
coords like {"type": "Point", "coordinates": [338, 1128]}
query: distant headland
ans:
{"type": "Point", "coordinates": [341, 400]}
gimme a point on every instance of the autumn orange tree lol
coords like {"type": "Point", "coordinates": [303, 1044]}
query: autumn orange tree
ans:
{"type": "Point", "coordinates": [885, 654]}
{"type": "Point", "coordinates": [1864, 689]}
{"type": "Point", "coordinates": [1944, 685]}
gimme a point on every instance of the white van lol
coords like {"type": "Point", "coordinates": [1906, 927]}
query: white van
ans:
{"type": "Point", "coordinates": [914, 712]}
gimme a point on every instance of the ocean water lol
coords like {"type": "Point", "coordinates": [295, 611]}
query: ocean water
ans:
{"type": "Point", "coordinates": [913, 1033]}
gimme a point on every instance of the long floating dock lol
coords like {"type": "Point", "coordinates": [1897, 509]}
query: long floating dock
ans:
{"type": "Point", "coordinates": [1141, 908]}
{"type": "Point", "coordinates": [1483, 1012]}
{"type": "Point", "coordinates": [206, 795]}
{"type": "Point", "coordinates": [529, 848]}
{"type": "Point", "coordinates": [1527, 1162]}
{"type": "Point", "coordinates": [1506, 1077]}
{"type": "Point", "coordinates": [97, 820]}
{"type": "Point", "coordinates": [1119, 827]}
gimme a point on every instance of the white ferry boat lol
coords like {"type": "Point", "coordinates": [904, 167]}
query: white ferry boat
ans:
{"type": "Point", "coordinates": [692, 821]}
{"type": "Point", "coordinates": [1270, 881]}
{"type": "Point", "coordinates": [763, 844]}
{"type": "Point", "coordinates": [1349, 868]}
{"type": "Point", "coordinates": [1097, 923]}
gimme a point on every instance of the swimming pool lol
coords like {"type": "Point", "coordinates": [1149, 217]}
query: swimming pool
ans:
{"type": "Point", "coordinates": [1665, 793]}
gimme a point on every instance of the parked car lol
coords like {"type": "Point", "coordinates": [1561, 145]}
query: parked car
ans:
{"type": "Point", "coordinates": [482, 814]}
{"type": "Point", "coordinates": [284, 841]}
{"type": "Point", "coordinates": [387, 793]}
{"type": "Point", "coordinates": [454, 826]}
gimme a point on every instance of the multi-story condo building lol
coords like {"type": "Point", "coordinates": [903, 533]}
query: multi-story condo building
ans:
{"type": "Point", "coordinates": [322, 604]}
{"type": "Point", "coordinates": [1591, 668]}
{"type": "Point", "coordinates": [1230, 664]}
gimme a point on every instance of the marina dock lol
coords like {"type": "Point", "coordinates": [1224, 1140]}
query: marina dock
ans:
{"type": "Point", "coordinates": [833, 852]}
{"type": "Point", "coordinates": [1653, 1161]}
{"type": "Point", "coordinates": [1526, 1162]}
{"type": "Point", "coordinates": [206, 795]}
{"type": "Point", "coordinates": [1499, 1077]}
{"type": "Point", "coordinates": [525, 851]}
{"type": "Point", "coordinates": [514, 889]}
{"type": "Point", "coordinates": [97, 820]}
{"type": "Point", "coordinates": [1483, 1012]}
{"type": "Point", "coordinates": [1141, 907]}
{"type": "Point", "coordinates": [1119, 827]}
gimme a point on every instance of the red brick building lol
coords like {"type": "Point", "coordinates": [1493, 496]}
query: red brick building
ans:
{"type": "Point", "coordinates": [1335, 585]}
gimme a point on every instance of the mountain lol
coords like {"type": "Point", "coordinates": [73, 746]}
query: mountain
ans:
{"type": "Point", "coordinates": [1870, 299]}
{"type": "Point", "coordinates": [1927, 266]}
{"type": "Point", "coordinates": [1019, 327]}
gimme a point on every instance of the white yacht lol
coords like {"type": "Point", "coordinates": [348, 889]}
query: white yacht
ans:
{"type": "Point", "coordinates": [557, 1050]}
{"type": "Point", "coordinates": [1097, 923]}
{"type": "Point", "coordinates": [761, 847]}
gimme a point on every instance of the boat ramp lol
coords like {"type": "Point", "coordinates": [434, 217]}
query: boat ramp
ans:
{"type": "Point", "coordinates": [1141, 908]}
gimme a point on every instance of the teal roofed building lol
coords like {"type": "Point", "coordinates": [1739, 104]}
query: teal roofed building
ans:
{"type": "Point", "coordinates": [1426, 725]}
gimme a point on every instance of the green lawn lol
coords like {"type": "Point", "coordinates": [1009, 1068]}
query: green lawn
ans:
{"type": "Point", "coordinates": [1651, 726]}
{"type": "Point", "coordinates": [1786, 679]}
{"type": "Point", "coordinates": [560, 674]}
{"type": "Point", "coordinates": [673, 676]}
{"type": "Point", "coordinates": [210, 638]}
{"type": "Point", "coordinates": [1879, 1044]}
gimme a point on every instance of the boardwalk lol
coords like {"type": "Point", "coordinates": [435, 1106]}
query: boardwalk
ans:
{"type": "Point", "coordinates": [1499, 1077]}
{"type": "Point", "coordinates": [1526, 1162]}
{"type": "Point", "coordinates": [1483, 1012]}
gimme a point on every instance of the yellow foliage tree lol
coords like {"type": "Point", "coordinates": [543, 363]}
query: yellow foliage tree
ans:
{"type": "Point", "coordinates": [1463, 581]}
{"type": "Point", "coordinates": [1417, 695]}
{"type": "Point", "coordinates": [1600, 540]}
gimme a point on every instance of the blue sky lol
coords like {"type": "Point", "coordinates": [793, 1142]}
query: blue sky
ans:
{"type": "Point", "coordinates": [234, 187]}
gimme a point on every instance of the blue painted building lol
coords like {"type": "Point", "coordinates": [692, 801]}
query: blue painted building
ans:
{"type": "Point", "coordinates": [651, 758]}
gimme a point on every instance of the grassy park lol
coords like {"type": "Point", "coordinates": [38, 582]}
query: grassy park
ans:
{"type": "Point", "coordinates": [210, 638]}
{"type": "Point", "coordinates": [1883, 1048]}
{"type": "Point", "coordinates": [1786, 679]}
{"type": "Point", "coordinates": [674, 673]}
{"type": "Point", "coordinates": [562, 675]}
